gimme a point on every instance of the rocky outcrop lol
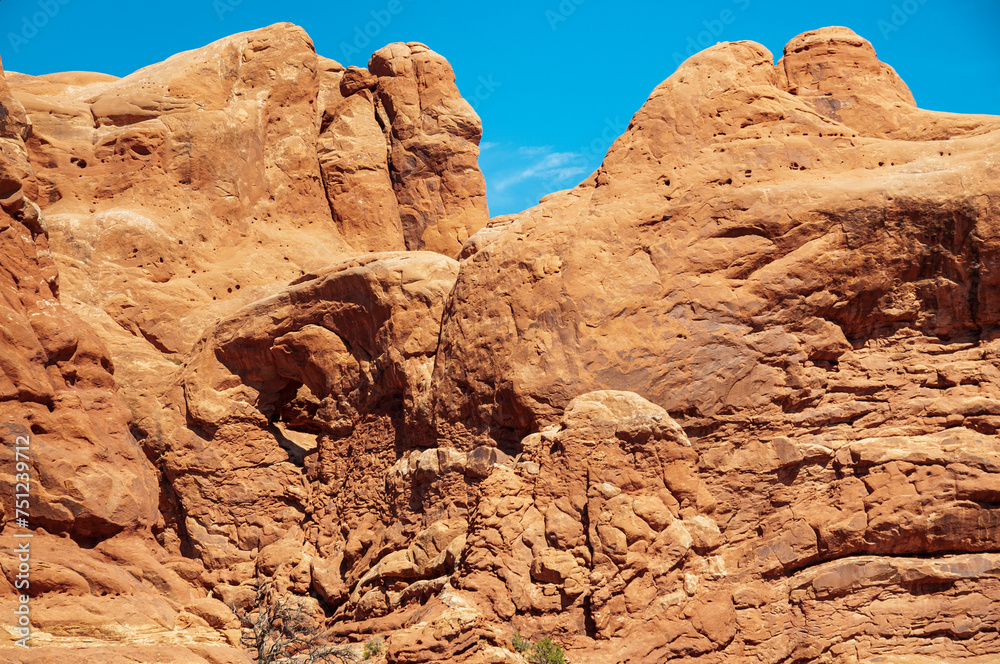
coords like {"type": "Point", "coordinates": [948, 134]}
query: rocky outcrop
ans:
{"type": "Point", "coordinates": [803, 291]}
{"type": "Point", "coordinates": [191, 188]}
{"type": "Point", "coordinates": [73, 476]}
{"type": "Point", "coordinates": [293, 409]}
{"type": "Point", "coordinates": [434, 147]}
{"type": "Point", "coordinates": [16, 173]}
{"type": "Point", "coordinates": [180, 193]}
{"type": "Point", "coordinates": [746, 245]}
{"type": "Point", "coordinates": [57, 384]}
{"type": "Point", "coordinates": [354, 159]}
{"type": "Point", "coordinates": [734, 398]}
{"type": "Point", "coordinates": [123, 599]}
{"type": "Point", "coordinates": [587, 533]}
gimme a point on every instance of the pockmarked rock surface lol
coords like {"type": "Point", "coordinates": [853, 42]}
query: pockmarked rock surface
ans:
{"type": "Point", "coordinates": [734, 398]}
{"type": "Point", "coordinates": [186, 190]}
{"type": "Point", "coordinates": [745, 243]}
{"type": "Point", "coordinates": [80, 503]}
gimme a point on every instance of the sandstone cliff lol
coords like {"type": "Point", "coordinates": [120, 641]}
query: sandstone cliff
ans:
{"type": "Point", "coordinates": [735, 397]}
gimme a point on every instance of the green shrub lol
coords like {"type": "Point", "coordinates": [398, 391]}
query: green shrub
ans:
{"type": "Point", "coordinates": [519, 643]}
{"type": "Point", "coordinates": [543, 652]}
{"type": "Point", "coordinates": [374, 647]}
{"type": "Point", "coordinates": [546, 652]}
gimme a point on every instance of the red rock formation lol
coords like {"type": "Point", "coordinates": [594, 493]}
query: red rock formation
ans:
{"type": "Point", "coordinates": [199, 189]}
{"type": "Point", "coordinates": [57, 384]}
{"type": "Point", "coordinates": [745, 243]}
{"type": "Point", "coordinates": [94, 567]}
{"type": "Point", "coordinates": [295, 407]}
{"type": "Point", "coordinates": [733, 398]}
{"type": "Point", "coordinates": [354, 159]}
{"type": "Point", "coordinates": [791, 281]}
{"type": "Point", "coordinates": [434, 145]}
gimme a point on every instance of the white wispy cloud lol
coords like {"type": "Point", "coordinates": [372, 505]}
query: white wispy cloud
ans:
{"type": "Point", "coordinates": [517, 176]}
{"type": "Point", "coordinates": [546, 165]}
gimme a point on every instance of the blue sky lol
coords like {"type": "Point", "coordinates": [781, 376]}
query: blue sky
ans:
{"type": "Point", "coordinates": [555, 81]}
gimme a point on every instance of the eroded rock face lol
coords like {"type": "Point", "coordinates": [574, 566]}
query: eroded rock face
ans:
{"type": "Point", "coordinates": [57, 385]}
{"type": "Point", "coordinates": [89, 495]}
{"type": "Point", "coordinates": [191, 188]}
{"type": "Point", "coordinates": [14, 128]}
{"type": "Point", "coordinates": [839, 75]}
{"type": "Point", "coordinates": [297, 405]}
{"type": "Point", "coordinates": [180, 193]}
{"type": "Point", "coordinates": [801, 289]}
{"type": "Point", "coordinates": [745, 244]}
{"type": "Point", "coordinates": [588, 528]}
{"type": "Point", "coordinates": [354, 160]}
{"type": "Point", "coordinates": [735, 398]}
{"type": "Point", "coordinates": [434, 147]}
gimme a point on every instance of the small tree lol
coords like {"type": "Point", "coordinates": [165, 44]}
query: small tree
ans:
{"type": "Point", "coordinates": [279, 629]}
